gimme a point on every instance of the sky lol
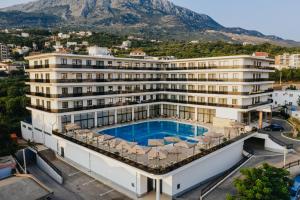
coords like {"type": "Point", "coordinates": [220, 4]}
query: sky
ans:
{"type": "Point", "coordinates": [271, 17]}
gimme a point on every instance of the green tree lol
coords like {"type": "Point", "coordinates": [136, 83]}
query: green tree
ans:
{"type": "Point", "coordinates": [262, 183]}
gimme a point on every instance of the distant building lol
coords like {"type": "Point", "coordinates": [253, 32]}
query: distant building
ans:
{"type": "Point", "coordinates": [71, 44]}
{"type": "Point", "coordinates": [126, 44]}
{"type": "Point", "coordinates": [22, 50]}
{"type": "Point", "coordinates": [25, 35]}
{"type": "Point", "coordinates": [194, 42]}
{"type": "Point", "coordinates": [4, 52]}
{"type": "Point", "coordinates": [138, 53]}
{"type": "Point", "coordinates": [9, 67]}
{"type": "Point", "coordinates": [85, 43]}
{"type": "Point", "coordinates": [288, 60]}
{"type": "Point", "coordinates": [261, 54]}
{"type": "Point", "coordinates": [285, 97]}
{"type": "Point", "coordinates": [98, 51]}
{"type": "Point", "coordinates": [63, 35]}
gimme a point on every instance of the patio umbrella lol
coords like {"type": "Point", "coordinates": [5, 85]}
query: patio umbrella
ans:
{"type": "Point", "coordinates": [204, 140]}
{"type": "Point", "coordinates": [125, 145]}
{"type": "Point", "coordinates": [72, 127]}
{"type": "Point", "coordinates": [185, 144]}
{"type": "Point", "coordinates": [172, 139]}
{"type": "Point", "coordinates": [155, 153]}
{"type": "Point", "coordinates": [213, 134]}
{"type": "Point", "coordinates": [105, 137]}
{"type": "Point", "coordinates": [156, 142]}
{"type": "Point", "coordinates": [114, 142]}
{"type": "Point", "coordinates": [174, 150]}
{"type": "Point", "coordinates": [141, 150]}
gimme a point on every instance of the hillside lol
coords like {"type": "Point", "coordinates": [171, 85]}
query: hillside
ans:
{"type": "Point", "coordinates": [153, 18]}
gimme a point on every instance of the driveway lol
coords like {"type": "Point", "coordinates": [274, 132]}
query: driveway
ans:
{"type": "Point", "coordinates": [287, 128]}
{"type": "Point", "coordinates": [77, 185]}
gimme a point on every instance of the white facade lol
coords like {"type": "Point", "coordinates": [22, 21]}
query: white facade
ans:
{"type": "Point", "coordinates": [287, 60]}
{"type": "Point", "coordinates": [286, 97]}
{"type": "Point", "coordinates": [94, 91]}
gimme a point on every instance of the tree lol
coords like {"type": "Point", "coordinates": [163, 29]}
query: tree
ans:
{"type": "Point", "coordinates": [262, 183]}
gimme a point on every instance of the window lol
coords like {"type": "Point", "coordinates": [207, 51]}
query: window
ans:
{"type": "Point", "coordinates": [235, 75]}
{"type": "Point", "coordinates": [36, 76]}
{"type": "Point", "coordinates": [99, 63]}
{"type": "Point", "coordinates": [47, 76]}
{"type": "Point", "coordinates": [64, 61]}
{"type": "Point", "coordinates": [178, 186]}
{"type": "Point", "coordinates": [64, 76]}
{"type": "Point", "coordinates": [78, 76]}
{"type": "Point", "coordinates": [77, 90]}
{"type": "Point", "coordinates": [235, 89]}
{"type": "Point", "coordinates": [37, 89]}
{"type": "Point", "coordinates": [78, 104]}
{"type": "Point", "coordinates": [234, 101]}
{"type": "Point", "coordinates": [85, 120]}
{"type": "Point", "coordinates": [47, 63]}
{"type": "Point", "coordinates": [89, 76]}
{"type": "Point", "coordinates": [77, 62]}
{"type": "Point", "coordinates": [48, 103]}
{"type": "Point", "coordinates": [65, 105]}
{"type": "Point", "coordinates": [64, 90]}
{"type": "Point", "coordinates": [47, 90]}
{"type": "Point", "coordinates": [90, 102]}
{"type": "Point", "coordinates": [88, 63]}
{"type": "Point", "coordinates": [89, 89]}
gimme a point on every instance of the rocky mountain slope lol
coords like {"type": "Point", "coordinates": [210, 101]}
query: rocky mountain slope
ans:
{"type": "Point", "coordinates": [154, 17]}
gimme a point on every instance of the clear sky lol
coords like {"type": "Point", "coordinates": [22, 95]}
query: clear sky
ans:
{"type": "Point", "coordinates": [273, 17]}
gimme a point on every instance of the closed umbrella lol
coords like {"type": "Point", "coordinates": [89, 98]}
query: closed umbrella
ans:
{"type": "Point", "coordinates": [172, 139]}
{"type": "Point", "coordinates": [156, 142]}
{"type": "Point", "coordinates": [155, 153]}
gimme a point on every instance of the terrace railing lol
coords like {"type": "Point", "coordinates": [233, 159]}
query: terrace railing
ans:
{"type": "Point", "coordinates": [158, 168]}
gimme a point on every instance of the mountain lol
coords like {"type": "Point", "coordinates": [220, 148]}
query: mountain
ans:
{"type": "Point", "coordinates": [152, 17]}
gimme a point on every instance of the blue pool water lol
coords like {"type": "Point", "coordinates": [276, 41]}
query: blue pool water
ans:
{"type": "Point", "coordinates": [141, 132]}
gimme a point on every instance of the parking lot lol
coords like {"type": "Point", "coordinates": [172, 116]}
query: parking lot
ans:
{"type": "Point", "coordinates": [77, 185]}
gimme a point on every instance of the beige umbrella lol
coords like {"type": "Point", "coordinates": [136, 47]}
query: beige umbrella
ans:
{"type": "Point", "coordinates": [156, 153]}
{"type": "Point", "coordinates": [114, 142]}
{"type": "Point", "coordinates": [174, 150]}
{"type": "Point", "coordinates": [156, 142]}
{"type": "Point", "coordinates": [124, 145]}
{"type": "Point", "coordinates": [172, 139]}
{"type": "Point", "coordinates": [72, 127]}
{"type": "Point", "coordinates": [105, 137]}
{"type": "Point", "coordinates": [185, 144]}
{"type": "Point", "coordinates": [237, 124]}
{"type": "Point", "coordinates": [216, 135]}
{"type": "Point", "coordinates": [137, 149]}
{"type": "Point", "coordinates": [204, 141]}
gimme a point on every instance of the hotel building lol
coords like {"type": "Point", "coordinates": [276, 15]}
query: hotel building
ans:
{"type": "Point", "coordinates": [95, 91]}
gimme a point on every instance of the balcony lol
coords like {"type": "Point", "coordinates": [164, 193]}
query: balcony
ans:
{"type": "Point", "coordinates": [119, 104]}
{"type": "Point", "coordinates": [162, 68]}
{"type": "Point", "coordinates": [144, 80]}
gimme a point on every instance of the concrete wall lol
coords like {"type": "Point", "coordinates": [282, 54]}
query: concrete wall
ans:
{"type": "Point", "coordinates": [119, 173]}
{"type": "Point", "coordinates": [48, 169]}
{"type": "Point", "coordinates": [270, 144]}
{"type": "Point", "coordinates": [203, 169]}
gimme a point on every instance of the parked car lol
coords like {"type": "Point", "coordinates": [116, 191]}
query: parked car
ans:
{"type": "Point", "coordinates": [274, 127]}
{"type": "Point", "coordinates": [295, 189]}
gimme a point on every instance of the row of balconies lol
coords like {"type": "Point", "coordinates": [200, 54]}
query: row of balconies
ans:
{"type": "Point", "coordinates": [161, 68]}
{"type": "Point", "coordinates": [145, 91]}
{"type": "Point", "coordinates": [118, 104]}
{"type": "Point", "coordinates": [145, 79]}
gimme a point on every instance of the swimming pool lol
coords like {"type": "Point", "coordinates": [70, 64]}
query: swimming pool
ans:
{"type": "Point", "coordinates": [141, 132]}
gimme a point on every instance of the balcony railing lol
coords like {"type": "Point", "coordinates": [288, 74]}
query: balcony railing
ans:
{"type": "Point", "coordinates": [145, 79]}
{"type": "Point", "coordinates": [135, 91]}
{"type": "Point", "coordinates": [157, 169]}
{"type": "Point", "coordinates": [161, 68]}
{"type": "Point", "coordinates": [119, 104]}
